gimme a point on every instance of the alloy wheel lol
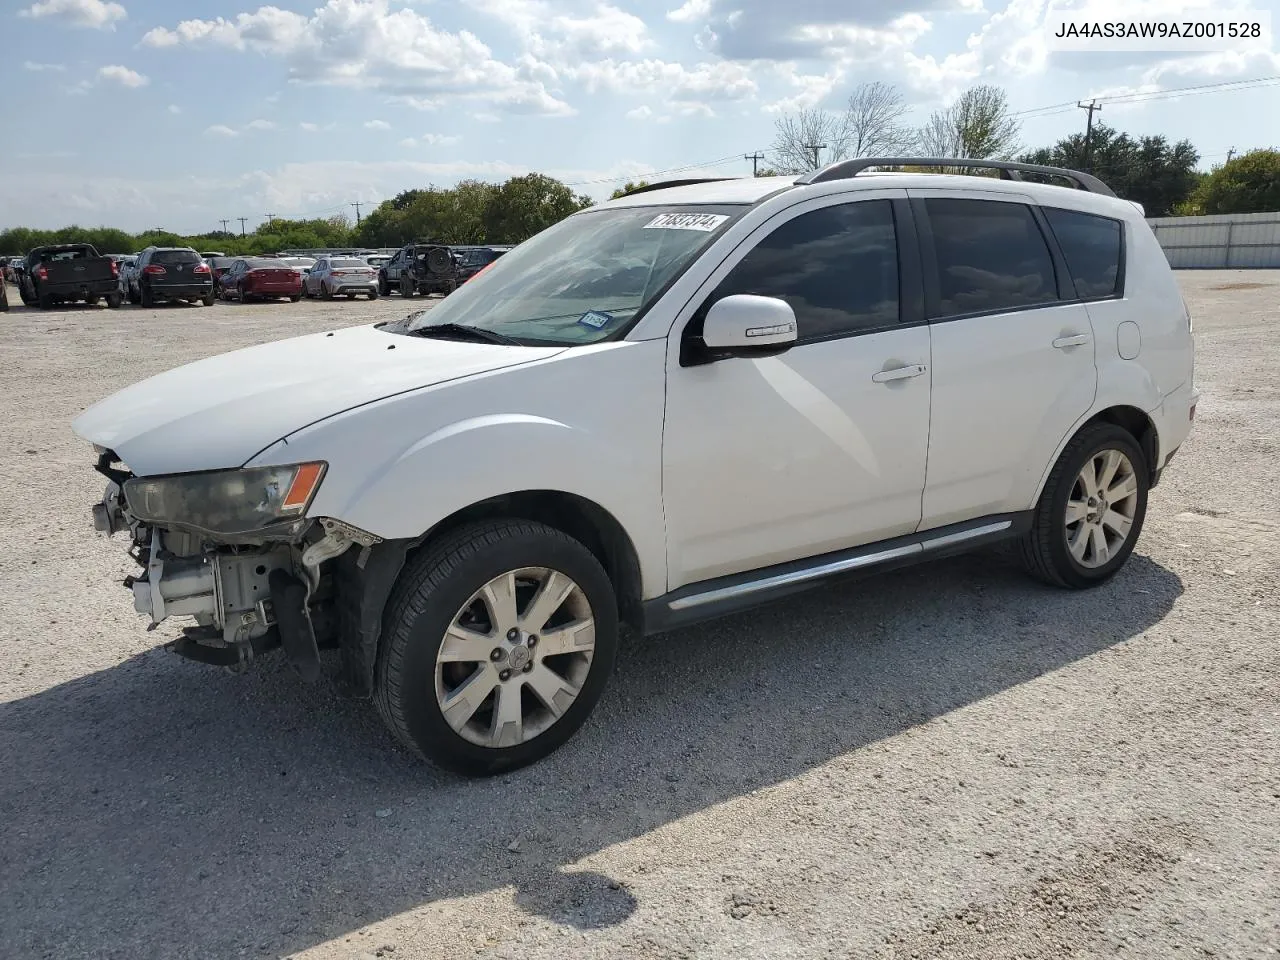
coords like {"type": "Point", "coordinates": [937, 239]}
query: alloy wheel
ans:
{"type": "Point", "coordinates": [515, 657]}
{"type": "Point", "coordinates": [1101, 508]}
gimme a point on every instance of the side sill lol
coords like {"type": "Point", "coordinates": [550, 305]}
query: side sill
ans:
{"type": "Point", "coordinates": [710, 599]}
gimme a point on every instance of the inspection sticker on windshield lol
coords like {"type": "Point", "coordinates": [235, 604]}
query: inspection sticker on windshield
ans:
{"type": "Point", "coordinates": [703, 222]}
{"type": "Point", "coordinates": [595, 320]}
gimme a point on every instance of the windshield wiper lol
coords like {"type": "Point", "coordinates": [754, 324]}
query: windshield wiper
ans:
{"type": "Point", "coordinates": [464, 330]}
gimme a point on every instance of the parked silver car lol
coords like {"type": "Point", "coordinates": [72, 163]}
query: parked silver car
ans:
{"type": "Point", "coordinates": [340, 276]}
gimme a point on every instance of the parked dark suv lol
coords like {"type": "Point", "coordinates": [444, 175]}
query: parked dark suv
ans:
{"type": "Point", "coordinates": [423, 268]}
{"type": "Point", "coordinates": [171, 273]}
{"type": "Point", "coordinates": [471, 260]}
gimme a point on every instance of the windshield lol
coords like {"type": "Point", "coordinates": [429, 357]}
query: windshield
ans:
{"type": "Point", "coordinates": [586, 278]}
{"type": "Point", "coordinates": [175, 256]}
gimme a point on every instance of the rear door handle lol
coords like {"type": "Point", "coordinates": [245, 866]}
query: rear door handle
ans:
{"type": "Point", "coordinates": [1079, 340]}
{"type": "Point", "coordinates": [899, 373]}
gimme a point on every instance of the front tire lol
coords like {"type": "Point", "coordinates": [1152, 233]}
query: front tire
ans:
{"type": "Point", "coordinates": [498, 642]}
{"type": "Point", "coordinates": [1091, 512]}
{"type": "Point", "coordinates": [407, 288]}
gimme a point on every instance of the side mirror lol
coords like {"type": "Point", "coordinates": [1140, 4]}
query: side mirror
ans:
{"type": "Point", "coordinates": [744, 325]}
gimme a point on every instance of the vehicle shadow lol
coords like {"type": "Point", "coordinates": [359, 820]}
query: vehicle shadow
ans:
{"type": "Point", "coordinates": [160, 808]}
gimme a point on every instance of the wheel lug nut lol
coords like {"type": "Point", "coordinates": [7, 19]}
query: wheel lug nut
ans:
{"type": "Point", "coordinates": [505, 675]}
{"type": "Point", "coordinates": [513, 633]}
{"type": "Point", "coordinates": [528, 666]}
{"type": "Point", "coordinates": [533, 640]}
{"type": "Point", "coordinates": [496, 654]}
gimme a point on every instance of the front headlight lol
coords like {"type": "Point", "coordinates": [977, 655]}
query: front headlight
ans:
{"type": "Point", "coordinates": [226, 501]}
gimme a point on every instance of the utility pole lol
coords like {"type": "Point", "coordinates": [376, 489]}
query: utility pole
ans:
{"type": "Point", "coordinates": [270, 218]}
{"type": "Point", "coordinates": [815, 147]}
{"type": "Point", "coordinates": [1091, 106]}
{"type": "Point", "coordinates": [357, 206]}
{"type": "Point", "coordinates": [1231, 153]}
{"type": "Point", "coordinates": [755, 159]}
{"type": "Point", "coordinates": [242, 220]}
{"type": "Point", "coordinates": [224, 225]}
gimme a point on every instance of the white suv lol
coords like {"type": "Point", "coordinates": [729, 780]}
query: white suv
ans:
{"type": "Point", "coordinates": [665, 408]}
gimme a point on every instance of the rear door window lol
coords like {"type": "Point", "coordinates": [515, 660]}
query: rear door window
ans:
{"type": "Point", "coordinates": [1093, 248]}
{"type": "Point", "coordinates": [991, 257]}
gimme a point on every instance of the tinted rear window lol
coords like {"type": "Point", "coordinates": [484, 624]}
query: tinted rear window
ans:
{"type": "Point", "coordinates": [175, 256]}
{"type": "Point", "coordinates": [991, 256]}
{"type": "Point", "coordinates": [268, 264]}
{"type": "Point", "coordinates": [1092, 246]}
{"type": "Point", "coordinates": [348, 263]}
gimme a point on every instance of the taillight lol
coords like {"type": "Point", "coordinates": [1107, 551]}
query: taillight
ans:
{"type": "Point", "coordinates": [115, 269]}
{"type": "Point", "coordinates": [201, 268]}
{"type": "Point", "coordinates": [42, 272]}
{"type": "Point", "coordinates": [154, 269]}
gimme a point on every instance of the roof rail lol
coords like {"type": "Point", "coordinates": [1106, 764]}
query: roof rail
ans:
{"type": "Point", "coordinates": [1008, 169]}
{"type": "Point", "coordinates": [666, 184]}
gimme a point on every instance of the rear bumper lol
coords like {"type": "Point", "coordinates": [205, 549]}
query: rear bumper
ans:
{"type": "Point", "coordinates": [73, 291]}
{"type": "Point", "coordinates": [359, 286]}
{"type": "Point", "coordinates": [182, 290]}
{"type": "Point", "coordinates": [274, 290]}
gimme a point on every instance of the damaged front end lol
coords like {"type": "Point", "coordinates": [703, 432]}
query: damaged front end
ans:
{"type": "Point", "coordinates": [233, 550]}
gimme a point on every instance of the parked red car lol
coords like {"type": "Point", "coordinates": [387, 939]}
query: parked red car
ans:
{"type": "Point", "coordinates": [260, 278]}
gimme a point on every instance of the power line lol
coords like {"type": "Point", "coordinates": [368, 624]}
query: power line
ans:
{"type": "Point", "coordinates": [1224, 86]}
{"type": "Point", "coordinates": [270, 218]}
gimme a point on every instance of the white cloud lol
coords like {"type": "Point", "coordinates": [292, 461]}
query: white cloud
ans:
{"type": "Point", "coordinates": [95, 14]}
{"type": "Point", "coordinates": [260, 125]}
{"type": "Point", "coordinates": [721, 80]}
{"type": "Point", "coordinates": [692, 11]}
{"type": "Point", "coordinates": [115, 73]}
{"type": "Point", "coordinates": [430, 140]}
{"type": "Point", "coordinates": [43, 67]}
{"type": "Point", "coordinates": [221, 130]}
{"type": "Point", "coordinates": [174, 109]}
{"type": "Point", "coordinates": [377, 125]}
{"type": "Point", "coordinates": [365, 44]}
{"type": "Point", "coordinates": [554, 36]}
{"type": "Point", "coordinates": [811, 89]}
{"type": "Point", "coordinates": [641, 112]}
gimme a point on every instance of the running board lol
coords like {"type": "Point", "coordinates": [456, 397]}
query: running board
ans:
{"type": "Point", "coordinates": [723, 595]}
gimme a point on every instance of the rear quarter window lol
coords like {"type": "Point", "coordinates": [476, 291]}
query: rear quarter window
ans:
{"type": "Point", "coordinates": [1094, 250]}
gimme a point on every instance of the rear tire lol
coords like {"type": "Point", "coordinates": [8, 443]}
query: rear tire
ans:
{"type": "Point", "coordinates": [91, 301]}
{"type": "Point", "coordinates": [407, 289]}
{"type": "Point", "coordinates": [325, 292]}
{"type": "Point", "coordinates": [113, 301]}
{"type": "Point", "coordinates": [295, 298]}
{"type": "Point", "coordinates": [146, 296]}
{"type": "Point", "coordinates": [373, 294]}
{"type": "Point", "coordinates": [1091, 512]}
{"type": "Point", "coordinates": [384, 288]}
{"type": "Point", "coordinates": [437, 599]}
{"type": "Point", "coordinates": [208, 299]}
{"type": "Point", "coordinates": [45, 301]}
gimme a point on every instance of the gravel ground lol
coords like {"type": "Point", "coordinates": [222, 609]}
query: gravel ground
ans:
{"type": "Point", "coordinates": [946, 762]}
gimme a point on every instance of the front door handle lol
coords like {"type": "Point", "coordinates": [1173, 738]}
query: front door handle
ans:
{"type": "Point", "coordinates": [1079, 340]}
{"type": "Point", "coordinates": [899, 373]}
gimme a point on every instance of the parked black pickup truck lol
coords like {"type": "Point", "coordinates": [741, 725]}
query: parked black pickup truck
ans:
{"type": "Point", "coordinates": [66, 273]}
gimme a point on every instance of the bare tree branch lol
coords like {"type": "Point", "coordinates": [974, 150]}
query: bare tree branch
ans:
{"type": "Point", "coordinates": [977, 126]}
{"type": "Point", "coordinates": [796, 133]}
{"type": "Point", "coordinates": [873, 122]}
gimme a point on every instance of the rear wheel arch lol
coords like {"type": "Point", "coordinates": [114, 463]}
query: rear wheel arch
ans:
{"type": "Point", "coordinates": [1130, 419]}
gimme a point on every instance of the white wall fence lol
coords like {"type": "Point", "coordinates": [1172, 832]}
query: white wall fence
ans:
{"type": "Point", "coordinates": [1230, 241]}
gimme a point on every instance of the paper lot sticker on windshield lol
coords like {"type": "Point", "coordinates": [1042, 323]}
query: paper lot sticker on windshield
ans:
{"type": "Point", "coordinates": [595, 319]}
{"type": "Point", "coordinates": [702, 222]}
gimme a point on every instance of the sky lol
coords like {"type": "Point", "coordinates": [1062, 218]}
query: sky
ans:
{"type": "Point", "coordinates": [182, 113]}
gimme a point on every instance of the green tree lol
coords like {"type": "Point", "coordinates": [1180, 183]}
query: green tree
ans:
{"type": "Point", "coordinates": [1149, 170]}
{"type": "Point", "coordinates": [624, 190]}
{"type": "Point", "coordinates": [1248, 184]}
{"type": "Point", "coordinates": [527, 205]}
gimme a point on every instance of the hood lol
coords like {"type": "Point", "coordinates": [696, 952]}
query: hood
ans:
{"type": "Point", "coordinates": [217, 413]}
